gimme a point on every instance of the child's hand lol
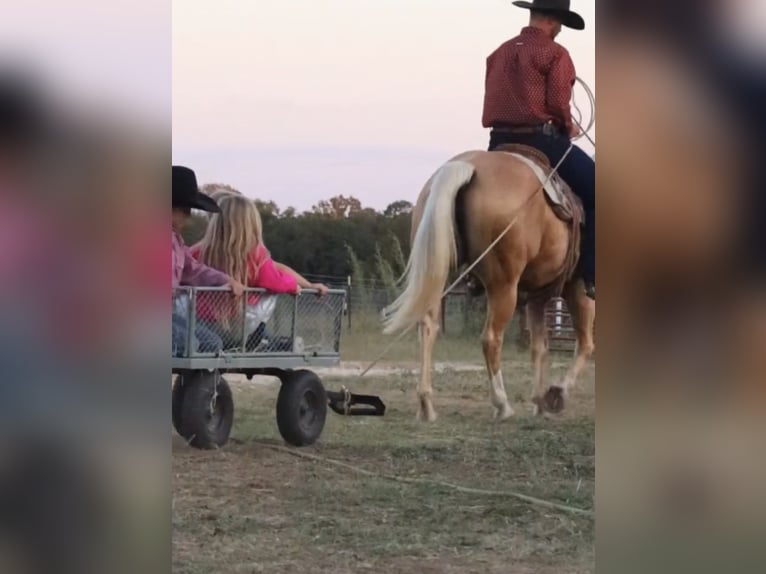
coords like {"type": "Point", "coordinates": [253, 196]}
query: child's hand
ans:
{"type": "Point", "coordinates": [321, 289]}
{"type": "Point", "coordinates": [237, 288]}
{"type": "Point", "coordinates": [297, 289]}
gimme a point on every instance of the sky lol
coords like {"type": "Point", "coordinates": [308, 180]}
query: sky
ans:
{"type": "Point", "coordinates": [113, 56]}
{"type": "Point", "coordinates": [298, 100]}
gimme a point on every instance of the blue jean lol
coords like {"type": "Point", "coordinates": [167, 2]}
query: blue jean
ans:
{"type": "Point", "coordinates": [579, 171]}
{"type": "Point", "coordinates": [205, 339]}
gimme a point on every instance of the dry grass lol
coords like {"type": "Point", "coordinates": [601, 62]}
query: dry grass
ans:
{"type": "Point", "coordinates": [249, 509]}
{"type": "Point", "coordinates": [363, 341]}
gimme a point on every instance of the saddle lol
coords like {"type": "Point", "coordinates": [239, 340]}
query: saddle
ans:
{"type": "Point", "coordinates": [564, 204]}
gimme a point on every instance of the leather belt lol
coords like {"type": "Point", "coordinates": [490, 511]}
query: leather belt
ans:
{"type": "Point", "coordinates": [547, 129]}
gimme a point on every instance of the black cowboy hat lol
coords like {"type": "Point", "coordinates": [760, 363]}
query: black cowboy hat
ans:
{"type": "Point", "coordinates": [186, 193]}
{"type": "Point", "coordinates": [559, 8]}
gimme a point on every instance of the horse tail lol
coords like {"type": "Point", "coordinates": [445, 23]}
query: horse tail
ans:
{"type": "Point", "coordinates": [434, 249]}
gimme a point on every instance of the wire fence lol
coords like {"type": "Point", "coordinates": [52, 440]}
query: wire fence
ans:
{"type": "Point", "coordinates": [462, 313]}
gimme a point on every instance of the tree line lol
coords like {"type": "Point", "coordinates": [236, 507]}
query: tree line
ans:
{"type": "Point", "coordinates": [338, 237]}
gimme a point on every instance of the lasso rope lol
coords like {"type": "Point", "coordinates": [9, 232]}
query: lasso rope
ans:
{"type": "Point", "coordinates": [584, 132]}
{"type": "Point", "coordinates": [423, 481]}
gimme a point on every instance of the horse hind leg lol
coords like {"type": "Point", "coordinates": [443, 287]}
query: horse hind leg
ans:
{"type": "Point", "coordinates": [538, 343]}
{"type": "Point", "coordinates": [500, 307]}
{"type": "Point", "coordinates": [428, 328]}
{"type": "Point", "coordinates": [583, 312]}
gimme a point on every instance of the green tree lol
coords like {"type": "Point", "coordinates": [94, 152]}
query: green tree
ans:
{"type": "Point", "coordinates": [267, 208]}
{"type": "Point", "coordinates": [338, 207]}
{"type": "Point", "coordinates": [398, 208]}
{"type": "Point", "coordinates": [321, 241]}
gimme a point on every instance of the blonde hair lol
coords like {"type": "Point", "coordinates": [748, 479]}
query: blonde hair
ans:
{"type": "Point", "coordinates": [231, 235]}
{"type": "Point", "coordinates": [218, 191]}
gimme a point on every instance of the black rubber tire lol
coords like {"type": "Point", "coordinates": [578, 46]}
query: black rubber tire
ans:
{"type": "Point", "coordinates": [178, 398]}
{"type": "Point", "coordinates": [207, 410]}
{"type": "Point", "coordinates": [301, 408]}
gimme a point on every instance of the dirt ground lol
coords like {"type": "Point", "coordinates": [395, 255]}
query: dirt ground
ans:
{"type": "Point", "coordinates": [250, 509]}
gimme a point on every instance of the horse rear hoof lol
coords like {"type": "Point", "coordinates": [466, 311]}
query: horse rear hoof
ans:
{"type": "Point", "coordinates": [553, 401]}
{"type": "Point", "coordinates": [426, 411]}
{"type": "Point", "coordinates": [426, 417]}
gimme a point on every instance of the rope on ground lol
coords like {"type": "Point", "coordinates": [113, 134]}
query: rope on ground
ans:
{"type": "Point", "coordinates": [422, 481]}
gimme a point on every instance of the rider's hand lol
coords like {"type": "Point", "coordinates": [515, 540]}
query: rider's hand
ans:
{"type": "Point", "coordinates": [321, 289]}
{"type": "Point", "coordinates": [236, 287]}
{"type": "Point", "coordinates": [297, 289]}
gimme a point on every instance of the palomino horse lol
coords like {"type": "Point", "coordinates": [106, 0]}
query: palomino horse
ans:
{"type": "Point", "coordinates": [471, 200]}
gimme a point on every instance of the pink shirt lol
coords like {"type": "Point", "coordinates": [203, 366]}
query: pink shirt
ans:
{"type": "Point", "coordinates": [261, 273]}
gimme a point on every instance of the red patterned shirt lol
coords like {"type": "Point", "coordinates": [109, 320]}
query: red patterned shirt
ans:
{"type": "Point", "coordinates": [529, 82]}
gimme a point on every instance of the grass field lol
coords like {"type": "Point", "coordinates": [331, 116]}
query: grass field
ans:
{"type": "Point", "coordinates": [248, 508]}
{"type": "Point", "coordinates": [363, 341]}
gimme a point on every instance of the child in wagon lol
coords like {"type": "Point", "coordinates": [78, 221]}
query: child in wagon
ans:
{"type": "Point", "coordinates": [268, 279]}
{"type": "Point", "coordinates": [233, 242]}
{"type": "Point", "coordinates": [187, 271]}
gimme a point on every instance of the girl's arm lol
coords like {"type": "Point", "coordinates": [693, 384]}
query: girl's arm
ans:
{"type": "Point", "coordinates": [273, 279]}
{"type": "Point", "coordinates": [303, 283]}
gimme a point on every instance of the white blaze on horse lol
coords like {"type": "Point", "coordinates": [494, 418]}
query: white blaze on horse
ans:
{"type": "Point", "coordinates": [461, 211]}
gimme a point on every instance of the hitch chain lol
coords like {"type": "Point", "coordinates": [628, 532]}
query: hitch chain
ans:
{"type": "Point", "coordinates": [346, 400]}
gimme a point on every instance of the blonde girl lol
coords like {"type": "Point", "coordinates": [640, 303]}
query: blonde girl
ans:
{"type": "Point", "coordinates": [233, 243]}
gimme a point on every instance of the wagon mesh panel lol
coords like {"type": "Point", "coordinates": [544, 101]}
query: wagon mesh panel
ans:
{"type": "Point", "coordinates": [208, 322]}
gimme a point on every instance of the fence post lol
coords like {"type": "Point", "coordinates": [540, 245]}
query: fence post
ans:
{"type": "Point", "coordinates": [348, 301]}
{"type": "Point", "coordinates": [443, 315]}
{"type": "Point", "coordinates": [467, 300]}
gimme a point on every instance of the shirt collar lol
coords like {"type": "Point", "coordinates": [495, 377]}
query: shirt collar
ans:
{"type": "Point", "coordinates": [532, 31]}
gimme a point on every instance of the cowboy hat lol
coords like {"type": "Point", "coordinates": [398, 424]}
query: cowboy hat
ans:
{"type": "Point", "coordinates": [186, 193]}
{"type": "Point", "coordinates": [559, 8]}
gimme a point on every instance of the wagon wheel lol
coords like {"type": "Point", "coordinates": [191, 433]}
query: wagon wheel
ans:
{"type": "Point", "coordinates": [301, 408]}
{"type": "Point", "coordinates": [177, 400]}
{"type": "Point", "coordinates": [206, 410]}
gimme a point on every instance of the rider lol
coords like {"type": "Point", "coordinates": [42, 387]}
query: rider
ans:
{"type": "Point", "coordinates": [528, 89]}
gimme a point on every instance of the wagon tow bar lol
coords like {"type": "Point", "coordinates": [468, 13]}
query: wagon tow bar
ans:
{"type": "Point", "coordinates": [344, 403]}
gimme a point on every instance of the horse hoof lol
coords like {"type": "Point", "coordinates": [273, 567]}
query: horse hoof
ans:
{"type": "Point", "coordinates": [503, 413]}
{"type": "Point", "coordinates": [538, 407]}
{"type": "Point", "coordinates": [426, 411]}
{"type": "Point", "coordinates": [428, 416]}
{"type": "Point", "coordinates": [554, 400]}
